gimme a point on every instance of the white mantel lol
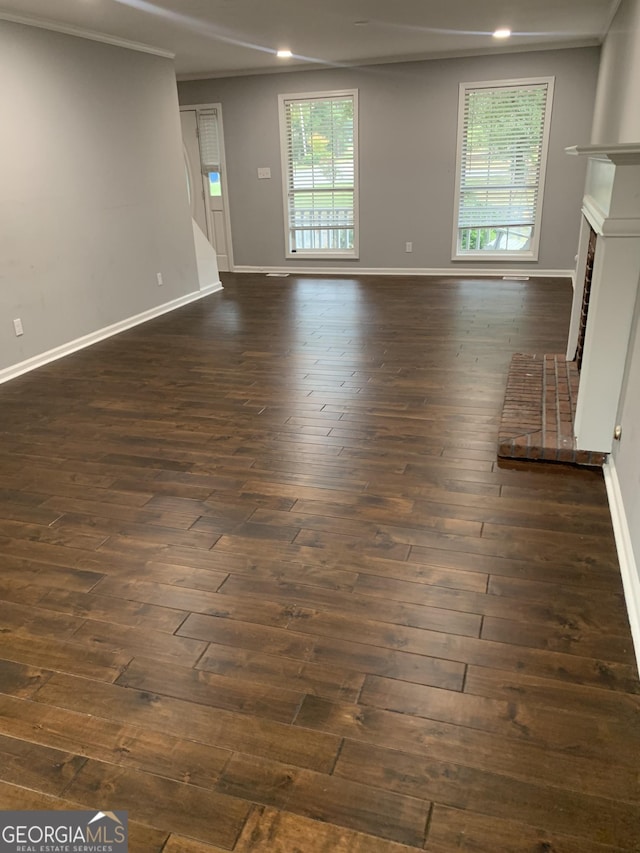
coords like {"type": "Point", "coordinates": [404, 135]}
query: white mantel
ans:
{"type": "Point", "coordinates": [611, 206]}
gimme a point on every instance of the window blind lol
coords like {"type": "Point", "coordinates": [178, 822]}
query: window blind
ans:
{"type": "Point", "coordinates": [501, 158]}
{"type": "Point", "coordinates": [320, 162]}
{"type": "Point", "coordinates": [209, 141]}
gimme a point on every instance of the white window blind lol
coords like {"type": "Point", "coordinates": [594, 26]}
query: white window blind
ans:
{"type": "Point", "coordinates": [209, 141]}
{"type": "Point", "coordinates": [501, 160]}
{"type": "Point", "coordinates": [319, 142]}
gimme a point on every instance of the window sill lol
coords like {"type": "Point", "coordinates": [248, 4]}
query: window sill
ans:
{"type": "Point", "coordinates": [527, 257]}
{"type": "Point", "coordinates": [322, 256]}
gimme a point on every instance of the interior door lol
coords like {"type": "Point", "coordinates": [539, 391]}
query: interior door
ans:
{"type": "Point", "coordinates": [202, 137]}
{"type": "Point", "coordinates": [189, 122]}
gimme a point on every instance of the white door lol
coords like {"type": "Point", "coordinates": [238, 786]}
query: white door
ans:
{"type": "Point", "coordinates": [202, 137]}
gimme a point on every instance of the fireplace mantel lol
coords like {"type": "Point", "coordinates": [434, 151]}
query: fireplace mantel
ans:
{"type": "Point", "coordinates": [611, 207]}
{"type": "Point", "coordinates": [622, 153]}
{"type": "Point", "coordinates": [612, 192]}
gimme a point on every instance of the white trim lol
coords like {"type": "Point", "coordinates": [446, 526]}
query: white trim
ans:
{"type": "Point", "coordinates": [620, 153]}
{"type": "Point", "coordinates": [608, 226]}
{"type": "Point", "coordinates": [532, 254]}
{"type": "Point", "coordinates": [452, 272]}
{"type": "Point", "coordinates": [629, 569]}
{"type": "Point", "coordinates": [100, 334]}
{"type": "Point", "coordinates": [282, 121]}
{"type": "Point", "coordinates": [456, 186]}
{"type": "Point", "coordinates": [594, 215]}
{"type": "Point", "coordinates": [91, 35]}
{"type": "Point", "coordinates": [320, 95]}
{"type": "Point", "coordinates": [620, 227]}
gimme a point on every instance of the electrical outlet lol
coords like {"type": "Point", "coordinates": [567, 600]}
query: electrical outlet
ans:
{"type": "Point", "coordinates": [17, 325]}
{"type": "Point", "coordinates": [160, 281]}
{"type": "Point", "coordinates": [264, 172]}
{"type": "Point", "coordinates": [408, 246]}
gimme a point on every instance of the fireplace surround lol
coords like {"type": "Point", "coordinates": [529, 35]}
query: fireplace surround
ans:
{"type": "Point", "coordinates": [611, 208]}
{"type": "Point", "coordinates": [567, 413]}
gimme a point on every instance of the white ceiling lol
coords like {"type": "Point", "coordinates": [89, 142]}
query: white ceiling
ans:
{"type": "Point", "coordinates": [217, 37]}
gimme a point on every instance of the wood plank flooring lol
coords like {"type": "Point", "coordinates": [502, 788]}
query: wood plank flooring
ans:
{"type": "Point", "coordinates": [264, 585]}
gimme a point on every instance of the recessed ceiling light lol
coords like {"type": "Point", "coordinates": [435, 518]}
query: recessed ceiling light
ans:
{"type": "Point", "coordinates": [502, 33]}
{"type": "Point", "coordinates": [284, 54]}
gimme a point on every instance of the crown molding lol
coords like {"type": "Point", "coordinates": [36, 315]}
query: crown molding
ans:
{"type": "Point", "coordinates": [92, 35]}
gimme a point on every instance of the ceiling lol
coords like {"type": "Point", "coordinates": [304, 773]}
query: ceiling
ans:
{"type": "Point", "coordinates": [228, 37]}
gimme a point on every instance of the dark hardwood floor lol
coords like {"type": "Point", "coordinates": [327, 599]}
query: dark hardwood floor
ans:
{"type": "Point", "coordinates": [264, 585]}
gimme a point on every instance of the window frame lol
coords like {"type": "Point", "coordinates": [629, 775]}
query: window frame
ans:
{"type": "Point", "coordinates": [319, 254]}
{"type": "Point", "coordinates": [531, 254]}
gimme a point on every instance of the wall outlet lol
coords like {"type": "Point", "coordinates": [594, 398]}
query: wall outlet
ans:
{"type": "Point", "coordinates": [159, 277]}
{"type": "Point", "coordinates": [264, 172]}
{"type": "Point", "coordinates": [408, 247]}
{"type": "Point", "coordinates": [17, 325]}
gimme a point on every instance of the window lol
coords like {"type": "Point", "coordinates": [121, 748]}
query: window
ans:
{"type": "Point", "coordinates": [319, 140]}
{"type": "Point", "coordinates": [503, 131]}
{"type": "Point", "coordinates": [215, 187]}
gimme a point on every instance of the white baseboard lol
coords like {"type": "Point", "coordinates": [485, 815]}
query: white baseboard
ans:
{"type": "Point", "coordinates": [207, 290]}
{"type": "Point", "coordinates": [458, 272]}
{"type": "Point", "coordinates": [629, 569]}
{"type": "Point", "coordinates": [107, 332]}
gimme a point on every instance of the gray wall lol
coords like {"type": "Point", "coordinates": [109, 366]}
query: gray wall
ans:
{"type": "Point", "coordinates": [92, 192]}
{"type": "Point", "coordinates": [408, 124]}
{"type": "Point", "coordinates": [617, 111]}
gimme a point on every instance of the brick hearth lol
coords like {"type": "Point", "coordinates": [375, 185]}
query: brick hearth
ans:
{"type": "Point", "coordinates": [539, 411]}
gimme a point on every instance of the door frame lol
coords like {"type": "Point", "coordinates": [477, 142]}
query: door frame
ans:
{"type": "Point", "coordinates": [223, 177]}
